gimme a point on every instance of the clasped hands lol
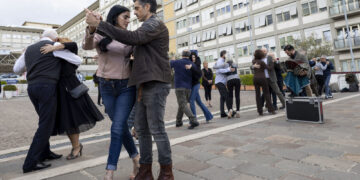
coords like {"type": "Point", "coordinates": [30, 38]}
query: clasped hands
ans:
{"type": "Point", "coordinates": [93, 19]}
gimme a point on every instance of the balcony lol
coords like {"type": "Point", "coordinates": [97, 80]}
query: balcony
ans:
{"type": "Point", "coordinates": [337, 12]}
{"type": "Point", "coordinates": [343, 44]}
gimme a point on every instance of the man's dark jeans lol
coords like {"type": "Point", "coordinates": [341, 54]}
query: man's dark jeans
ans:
{"type": "Point", "coordinates": [224, 97]}
{"type": "Point", "coordinates": [44, 99]}
{"type": "Point", "coordinates": [149, 121]}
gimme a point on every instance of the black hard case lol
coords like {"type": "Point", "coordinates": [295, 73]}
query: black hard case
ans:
{"type": "Point", "coordinates": [304, 109]}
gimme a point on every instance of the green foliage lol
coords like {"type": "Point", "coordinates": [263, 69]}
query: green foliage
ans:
{"type": "Point", "coordinates": [3, 83]}
{"type": "Point", "coordinates": [314, 47]}
{"type": "Point", "coordinates": [247, 79]}
{"type": "Point", "coordinates": [22, 81]}
{"type": "Point", "coordinates": [88, 78]}
{"type": "Point", "coordinates": [10, 88]}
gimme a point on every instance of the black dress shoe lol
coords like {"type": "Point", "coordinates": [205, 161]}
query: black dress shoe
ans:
{"type": "Point", "coordinates": [53, 156]}
{"type": "Point", "coordinates": [282, 107]}
{"type": "Point", "coordinates": [193, 125]}
{"type": "Point", "coordinates": [38, 166]}
{"type": "Point", "coordinates": [223, 115]}
{"type": "Point", "coordinates": [179, 124]}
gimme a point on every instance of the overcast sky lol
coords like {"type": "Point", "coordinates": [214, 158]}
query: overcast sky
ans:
{"type": "Point", "coordinates": [16, 12]}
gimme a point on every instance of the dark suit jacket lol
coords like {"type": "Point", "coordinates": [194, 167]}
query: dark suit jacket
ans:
{"type": "Point", "coordinates": [271, 69]}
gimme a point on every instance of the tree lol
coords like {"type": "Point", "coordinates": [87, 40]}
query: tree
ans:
{"type": "Point", "coordinates": [314, 47]}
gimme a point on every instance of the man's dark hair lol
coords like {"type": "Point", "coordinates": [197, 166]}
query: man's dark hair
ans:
{"type": "Point", "coordinates": [186, 54]}
{"type": "Point", "coordinates": [153, 4]}
{"type": "Point", "coordinates": [222, 53]}
{"type": "Point", "coordinates": [289, 47]}
{"type": "Point", "coordinates": [259, 54]}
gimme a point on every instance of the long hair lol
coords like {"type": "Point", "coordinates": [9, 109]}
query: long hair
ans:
{"type": "Point", "coordinates": [197, 61]}
{"type": "Point", "coordinates": [111, 18]}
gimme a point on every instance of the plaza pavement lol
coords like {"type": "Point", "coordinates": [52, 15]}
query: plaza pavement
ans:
{"type": "Point", "coordinates": [250, 147]}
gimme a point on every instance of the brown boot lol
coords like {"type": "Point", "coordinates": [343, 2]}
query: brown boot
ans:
{"type": "Point", "coordinates": [166, 172]}
{"type": "Point", "coordinates": [145, 172]}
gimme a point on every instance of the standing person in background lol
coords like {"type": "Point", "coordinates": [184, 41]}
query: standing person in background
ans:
{"type": "Point", "coordinates": [183, 84]}
{"type": "Point", "coordinates": [327, 76]}
{"type": "Point", "coordinates": [207, 82]}
{"type": "Point", "coordinates": [195, 96]}
{"type": "Point", "coordinates": [151, 73]}
{"type": "Point", "coordinates": [319, 75]}
{"type": "Point", "coordinates": [220, 83]}
{"type": "Point", "coordinates": [280, 80]}
{"type": "Point", "coordinates": [234, 84]}
{"type": "Point", "coordinates": [119, 97]}
{"type": "Point", "coordinates": [260, 81]}
{"type": "Point", "coordinates": [271, 78]}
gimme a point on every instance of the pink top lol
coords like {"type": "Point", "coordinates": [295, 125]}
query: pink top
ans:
{"type": "Point", "coordinates": [113, 64]}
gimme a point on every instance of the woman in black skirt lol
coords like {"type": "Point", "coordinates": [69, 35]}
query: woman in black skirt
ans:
{"type": "Point", "coordinates": [74, 115]}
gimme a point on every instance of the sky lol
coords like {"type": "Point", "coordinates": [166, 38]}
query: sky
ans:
{"type": "Point", "coordinates": [16, 12]}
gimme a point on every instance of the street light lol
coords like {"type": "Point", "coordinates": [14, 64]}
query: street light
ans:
{"type": "Point", "coordinates": [349, 38]}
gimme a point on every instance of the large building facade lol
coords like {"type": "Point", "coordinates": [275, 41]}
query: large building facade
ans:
{"type": "Point", "coordinates": [210, 26]}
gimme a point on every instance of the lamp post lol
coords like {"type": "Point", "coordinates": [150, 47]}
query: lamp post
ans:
{"type": "Point", "coordinates": [349, 37]}
{"type": "Point", "coordinates": [248, 15]}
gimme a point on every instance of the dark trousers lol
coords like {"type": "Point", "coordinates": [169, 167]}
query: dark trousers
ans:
{"type": "Point", "coordinates": [321, 81]}
{"type": "Point", "coordinates": [280, 83]}
{"type": "Point", "coordinates": [272, 96]}
{"type": "Point", "coordinates": [99, 95]}
{"type": "Point", "coordinates": [234, 85]}
{"type": "Point", "coordinates": [224, 97]}
{"type": "Point", "coordinates": [149, 122]}
{"type": "Point", "coordinates": [208, 88]}
{"type": "Point", "coordinates": [44, 99]}
{"type": "Point", "coordinates": [262, 83]}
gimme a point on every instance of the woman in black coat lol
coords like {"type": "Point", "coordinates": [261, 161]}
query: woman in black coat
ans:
{"type": "Point", "coordinates": [74, 115]}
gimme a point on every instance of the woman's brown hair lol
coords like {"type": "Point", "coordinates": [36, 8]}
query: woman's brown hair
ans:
{"type": "Point", "coordinates": [259, 54]}
{"type": "Point", "coordinates": [63, 40]}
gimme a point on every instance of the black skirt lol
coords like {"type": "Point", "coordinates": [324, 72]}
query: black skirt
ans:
{"type": "Point", "coordinates": [74, 116]}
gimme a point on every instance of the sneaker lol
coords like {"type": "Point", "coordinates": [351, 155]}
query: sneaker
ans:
{"type": "Point", "coordinates": [230, 113]}
{"type": "Point", "coordinates": [331, 96]}
{"type": "Point", "coordinates": [237, 114]}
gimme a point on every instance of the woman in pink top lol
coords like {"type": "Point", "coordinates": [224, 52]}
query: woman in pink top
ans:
{"type": "Point", "coordinates": [113, 72]}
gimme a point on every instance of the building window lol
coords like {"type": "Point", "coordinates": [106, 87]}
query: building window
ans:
{"type": "Point", "coordinates": [244, 50]}
{"type": "Point", "coordinates": [225, 29]}
{"type": "Point", "coordinates": [178, 5]}
{"type": "Point", "coordinates": [286, 14]}
{"type": "Point", "coordinates": [257, 1]}
{"type": "Point", "coordinates": [263, 20]}
{"type": "Point", "coordinates": [286, 40]}
{"type": "Point", "coordinates": [207, 14]}
{"type": "Point", "coordinates": [195, 39]}
{"type": "Point", "coordinates": [209, 35]}
{"type": "Point", "coordinates": [183, 41]}
{"type": "Point", "coordinates": [238, 4]}
{"type": "Point", "coordinates": [223, 8]}
{"type": "Point", "coordinates": [194, 19]}
{"type": "Point", "coordinates": [242, 26]}
{"type": "Point", "coordinates": [327, 36]}
{"type": "Point", "coordinates": [313, 7]}
{"type": "Point", "coordinates": [181, 24]}
{"type": "Point", "coordinates": [191, 2]}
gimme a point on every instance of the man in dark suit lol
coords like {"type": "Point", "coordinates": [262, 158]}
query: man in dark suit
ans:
{"type": "Point", "coordinates": [272, 79]}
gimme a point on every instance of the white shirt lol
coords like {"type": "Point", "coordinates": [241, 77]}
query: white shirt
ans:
{"type": "Point", "coordinates": [266, 71]}
{"type": "Point", "coordinates": [68, 56]}
{"type": "Point", "coordinates": [220, 73]}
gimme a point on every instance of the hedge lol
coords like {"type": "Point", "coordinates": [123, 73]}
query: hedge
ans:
{"type": "Point", "coordinates": [88, 78]}
{"type": "Point", "coordinates": [10, 88]}
{"type": "Point", "coordinates": [3, 83]}
{"type": "Point", "coordinates": [22, 81]}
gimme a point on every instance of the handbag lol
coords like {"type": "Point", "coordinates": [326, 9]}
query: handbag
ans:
{"type": "Point", "coordinates": [80, 90]}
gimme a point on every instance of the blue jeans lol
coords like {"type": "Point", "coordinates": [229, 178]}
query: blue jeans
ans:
{"type": "Point", "coordinates": [327, 85]}
{"type": "Point", "coordinates": [118, 100]}
{"type": "Point", "coordinates": [195, 96]}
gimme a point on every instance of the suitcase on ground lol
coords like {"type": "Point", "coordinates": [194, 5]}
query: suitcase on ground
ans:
{"type": "Point", "coordinates": [304, 109]}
